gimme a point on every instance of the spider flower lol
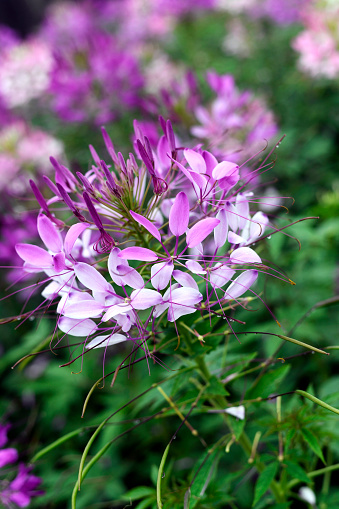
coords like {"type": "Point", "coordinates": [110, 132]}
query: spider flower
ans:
{"type": "Point", "coordinates": [181, 233]}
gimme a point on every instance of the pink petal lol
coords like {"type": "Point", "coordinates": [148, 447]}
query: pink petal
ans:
{"type": "Point", "coordinates": [161, 274]}
{"type": "Point", "coordinates": [144, 299]}
{"type": "Point", "coordinates": [121, 273]}
{"type": "Point", "coordinates": [130, 277]}
{"type": "Point", "coordinates": [243, 210]}
{"type": "Point", "coordinates": [34, 255]}
{"type": "Point", "coordinates": [258, 224]}
{"type": "Point", "coordinates": [244, 255]}
{"type": "Point", "coordinates": [20, 498]}
{"type": "Point", "coordinates": [49, 234]}
{"type": "Point", "coordinates": [192, 176]}
{"type": "Point", "coordinates": [233, 238]}
{"type": "Point", "coordinates": [182, 301]}
{"type": "Point", "coordinates": [146, 224]}
{"type": "Point", "coordinates": [72, 235]}
{"type": "Point", "coordinates": [138, 253]}
{"type": "Point", "coordinates": [91, 278]}
{"type": "Point", "coordinates": [104, 341]}
{"type": "Point", "coordinates": [200, 231]}
{"type": "Point", "coordinates": [241, 284]}
{"type": "Point", "coordinates": [84, 309]}
{"type": "Point", "coordinates": [59, 262]}
{"type": "Point", "coordinates": [185, 279]}
{"type": "Point", "coordinates": [195, 160]}
{"type": "Point", "coordinates": [220, 276]}
{"type": "Point", "coordinates": [195, 267]}
{"type": "Point", "coordinates": [232, 216]}
{"type": "Point", "coordinates": [77, 327]}
{"type": "Point", "coordinates": [225, 169]}
{"type": "Point", "coordinates": [211, 162]}
{"type": "Point", "coordinates": [179, 215]}
{"type": "Point", "coordinates": [7, 456]}
{"type": "Point", "coordinates": [117, 309]}
{"type": "Point", "coordinates": [220, 231]}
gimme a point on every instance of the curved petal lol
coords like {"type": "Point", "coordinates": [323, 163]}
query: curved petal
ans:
{"type": "Point", "coordinates": [201, 230]}
{"type": "Point", "coordinates": [258, 224]}
{"type": "Point", "coordinates": [144, 299]}
{"type": "Point", "coordinates": [83, 309]}
{"type": "Point", "coordinates": [185, 279]}
{"type": "Point", "coordinates": [104, 341]}
{"type": "Point", "coordinates": [161, 274]}
{"type": "Point", "coordinates": [195, 160]}
{"type": "Point", "coordinates": [117, 309]}
{"type": "Point", "coordinates": [77, 327]}
{"type": "Point", "coordinates": [34, 255]}
{"type": "Point", "coordinates": [49, 234]}
{"type": "Point", "coordinates": [244, 255]}
{"type": "Point", "coordinates": [179, 215]}
{"type": "Point", "coordinates": [138, 253]}
{"type": "Point", "coordinates": [234, 238]}
{"type": "Point", "coordinates": [121, 273]}
{"type": "Point", "coordinates": [241, 284]}
{"type": "Point", "coordinates": [181, 302]}
{"type": "Point", "coordinates": [7, 456]}
{"type": "Point", "coordinates": [221, 276]}
{"type": "Point", "coordinates": [195, 267]}
{"type": "Point", "coordinates": [146, 223]}
{"type": "Point", "coordinates": [72, 235]}
{"type": "Point", "coordinates": [225, 169]}
{"type": "Point", "coordinates": [91, 278]}
{"type": "Point", "coordinates": [220, 231]}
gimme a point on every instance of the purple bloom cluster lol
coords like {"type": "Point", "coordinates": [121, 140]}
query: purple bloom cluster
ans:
{"type": "Point", "coordinates": [19, 491]}
{"type": "Point", "coordinates": [162, 234]}
{"type": "Point", "coordinates": [93, 77]}
{"type": "Point", "coordinates": [235, 124]}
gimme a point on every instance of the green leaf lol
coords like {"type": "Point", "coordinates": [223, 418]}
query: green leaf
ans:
{"type": "Point", "coordinates": [203, 476]}
{"type": "Point", "coordinates": [313, 443]}
{"type": "Point", "coordinates": [289, 437]}
{"type": "Point", "coordinates": [237, 426]}
{"type": "Point", "coordinates": [269, 382]}
{"type": "Point", "coordinates": [264, 481]}
{"type": "Point", "coordinates": [296, 472]}
{"type": "Point", "coordinates": [216, 388]}
{"type": "Point", "coordinates": [138, 492]}
{"type": "Point", "coordinates": [145, 503]}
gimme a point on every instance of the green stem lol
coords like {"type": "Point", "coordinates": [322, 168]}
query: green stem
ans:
{"type": "Point", "coordinates": [55, 444]}
{"type": "Point", "coordinates": [160, 476]}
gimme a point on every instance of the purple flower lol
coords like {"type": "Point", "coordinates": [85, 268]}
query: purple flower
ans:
{"type": "Point", "coordinates": [22, 489]}
{"type": "Point", "coordinates": [94, 77]}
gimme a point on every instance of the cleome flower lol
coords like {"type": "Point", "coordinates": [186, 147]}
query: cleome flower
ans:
{"type": "Point", "coordinates": [153, 237]}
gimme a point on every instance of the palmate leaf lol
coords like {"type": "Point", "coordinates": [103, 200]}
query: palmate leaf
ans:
{"type": "Point", "coordinates": [269, 382]}
{"type": "Point", "coordinates": [264, 481]}
{"type": "Point", "coordinates": [312, 441]}
{"type": "Point", "coordinates": [296, 472]}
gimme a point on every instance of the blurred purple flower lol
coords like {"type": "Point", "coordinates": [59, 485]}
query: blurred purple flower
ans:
{"type": "Point", "coordinates": [22, 489]}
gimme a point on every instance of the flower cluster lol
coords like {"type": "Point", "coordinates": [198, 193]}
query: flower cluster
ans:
{"type": "Point", "coordinates": [24, 149]}
{"type": "Point", "coordinates": [234, 124]}
{"type": "Point", "coordinates": [282, 12]}
{"type": "Point", "coordinates": [19, 491]}
{"type": "Point", "coordinates": [25, 70]}
{"type": "Point", "coordinates": [166, 233]}
{"type": "Point", "coordinates": [93, 77]}
{"type": "Point", "coordinates": [318, 44]}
